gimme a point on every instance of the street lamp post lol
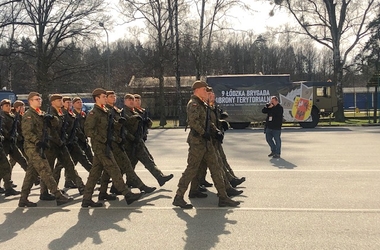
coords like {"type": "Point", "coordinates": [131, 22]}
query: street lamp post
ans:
{"type": "Point", "coordinates": [108, 85]}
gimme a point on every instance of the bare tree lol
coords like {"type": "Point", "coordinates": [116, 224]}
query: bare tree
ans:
{"type": "Point", "coordinates": [54, 25]}
{"type": "Point", "coordinates": [338, 25]}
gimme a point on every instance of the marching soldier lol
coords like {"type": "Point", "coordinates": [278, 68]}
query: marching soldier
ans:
{"type": "Point", "coordinates": [99, 127]}
{"type": "Point", "coordinates": [36, 128]}
{"type": "Point", "coordinates": [58, 149]}
{"type": "Point", "coordinates": [201, 148]}
{"type": "Point", "coordinates": [76, 152]}
{"type": "Point", "coordinates": [146, 121]}
{"type": "Point", "coordinates": [121, 157]}
{"type": "Point", "coordinates": [82, 138]}
{"type": "Point", "coordinates": [135, 146]}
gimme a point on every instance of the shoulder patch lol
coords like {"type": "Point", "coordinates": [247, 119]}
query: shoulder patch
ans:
{"type": "Point", "coordinates": [195, 104]}
{"type": "Point", "coordinates": [91, 113]}
{"type": "Point", "coordinates": [28, 117]}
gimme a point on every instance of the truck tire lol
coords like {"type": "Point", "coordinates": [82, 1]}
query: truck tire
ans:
{"type": "Point", "coordinates": [239, 125]}
{"type": "Point", "coordinates": [314, 123]}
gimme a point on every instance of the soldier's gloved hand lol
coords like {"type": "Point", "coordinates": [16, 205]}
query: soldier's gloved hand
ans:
{"type": "Point", "coordinates": [206, 136]}
{"type": "Point", "coordinates": [225, 125]}
{"type": "Point", "coordinates": [219, 136]}
{"type": "Point", "coordinates": [48, 117]}
{"type": "Point", "coordinates": [122, 120]}
{"type": "Point", "coordinates": [42, 145]}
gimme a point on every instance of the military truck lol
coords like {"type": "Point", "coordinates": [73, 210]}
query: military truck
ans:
{"type": "Point", "coordinates": [244, 96]}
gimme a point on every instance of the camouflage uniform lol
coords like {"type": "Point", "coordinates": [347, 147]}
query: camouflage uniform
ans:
{"type": "Point", "coordinates": [10, 144]}
{"type": "Point", "coordinates": [5, 167]}
{"type": "Point", "coordinates": [59, 151]}
{"type": "Point", "coordinates": [120, 155]}
{"type": "Point", "coordinates": [135, 146]}
{"type": "Point", "coordinates": [200, 149]}
{"type": "Point", "coordinates": [76, 152]}
{"type": "Point", "coordinates": [95, 127]}
{"type": "Point", "coordinates": [32, 127]}
{"type": "Point", "coordinates": [82, 138]}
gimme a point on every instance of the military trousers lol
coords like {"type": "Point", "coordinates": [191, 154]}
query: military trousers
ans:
{"type": "Point", "coordinates": [101, 163]}
{"type": "Point", "coordinates": [15, 153]}
{"type": "Point", "coordinates": [125, 166]}
{"type": "Point", "coordinates": [197, 153]}
{"type": "Point", "coordinates": [38, 167]}
{"type": "Point", "coordinates": [61, 153]}
{"type": "Point", "coordinates": [139, 152]}
{"type": "Point", "coordinates": [5, 169]}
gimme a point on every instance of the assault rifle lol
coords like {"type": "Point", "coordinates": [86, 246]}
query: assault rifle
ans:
{"type": "Point", "coordinates": [45, 134]}
{"type": "Point", "coordinates": [14, 132]}
{"type": "Point", "coordinates": [65, 123]}
{"type": "Point", "coordinates": [109, 133]}
{"type": "Point", "coordinates": [1, 132]}
{"type": "Point", "coordinates": [122, 132]}
{"type": "Point", "coordinates": [138, 135]}
{"type": "Point", "coordinates": [207, 124]}
{"type": "Point", "coordinates": [72, 135]}
{"type": "Point", "coordinates": [145, 122]}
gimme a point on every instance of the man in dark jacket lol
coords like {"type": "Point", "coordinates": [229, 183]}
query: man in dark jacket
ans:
{"type": "Point", "coordinates": [273, 125]}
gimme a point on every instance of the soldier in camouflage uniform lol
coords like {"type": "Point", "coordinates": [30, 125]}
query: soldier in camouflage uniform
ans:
{"type": "Point", "coordinates": [99, 127]}
{"type": "Point", "coordinates": [5, 167]}
{"type": "Point", "coordinates": [35, 144]}
{"type": "Point", "coordinates": [135, 146]}
{"type": "Point", "coordinates": [201, 147]}
{"type": "Point", "coordinates": [58, 149]}
{"type": "Point", "coordinates": [10, 124]}
{"type": "Point", "coordinates": [82, 138]}
{"type": "Point", "coordinates": [76, 152]}
{"type": "Point", "coordinates": [217, 142]}
{"type": "Point", "coordinates": [121, 157]}
{"type": "Point", "coordinates": [146, 121]}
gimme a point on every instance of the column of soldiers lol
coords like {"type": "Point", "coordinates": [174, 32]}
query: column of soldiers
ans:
{"type": "Point", "coordinates": [44, 143]}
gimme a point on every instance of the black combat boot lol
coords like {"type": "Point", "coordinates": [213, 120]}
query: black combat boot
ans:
{"type": "Point", "coordinates": [104, 196]}
{"type": "Point", "coordinates": [233, 192]}
{"type": "Point", "coordinates": [147, 189]}
{"type": "Point", "coordinates": [132, 197]}
{"type": "Point", "coordinates": [91, 203]}
{"type": "Point", "coordinates": [45, 196]}
{"type": "Point", "coordinates": [236, 182]}
{"type": "Point", "coordinates": [197, 194]}
{"type": "Point", "coordinates": [26, 203]}
{"type": "Point", "coordinates": [113, 190]}
{"type": "Point", "coordinates": [2, 190]}
{"type": "Point", "coordinates": [11, 191]}
{"type": "Point", "coordinates": [205, 183]}
{"type": "Point", "coordinates": [63, 199]}
{"type": "Point", "coordinates": [180, 202]}
{"type": "Point", "coordinates": [202, 189]}
{"type": "Point", "coordinates": [70, 184]}
{"type": "Point", "coordinates": [162, 179]}
{"type": "Point", "coordinates": [227, 202]}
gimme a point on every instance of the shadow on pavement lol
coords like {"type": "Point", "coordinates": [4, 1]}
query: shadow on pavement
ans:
{"type": "Point", "coordinates": [203, 230]}
{"type": "Point", "coordinates": [282, 163]}
{"type": "Point", "coordinates": [21, 219]}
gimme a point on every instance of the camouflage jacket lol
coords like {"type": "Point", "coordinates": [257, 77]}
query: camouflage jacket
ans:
{"type": "Point", "coordinates": [81, 116]}
{"type": "Point", "coordinates": [196, 120]}
{"type": "Point", "coordinates": [96, 124]}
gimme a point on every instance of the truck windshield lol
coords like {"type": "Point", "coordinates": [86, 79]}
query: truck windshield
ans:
{"type": "Point", "coordinates": [6, 94]}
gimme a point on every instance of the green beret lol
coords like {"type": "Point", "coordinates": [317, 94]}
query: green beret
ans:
{"type": "Point", "coordinates": [33, 94]}
{"type": "Point", "coordinates": [98, 91]}
{"type": "Point", "coordinates": [5, 101]}
{"type": "Point", "coordinates": [76, 99]}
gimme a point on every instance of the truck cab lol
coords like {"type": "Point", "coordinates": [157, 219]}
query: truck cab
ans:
{"type": "Point", "coordinates": [8, 94]}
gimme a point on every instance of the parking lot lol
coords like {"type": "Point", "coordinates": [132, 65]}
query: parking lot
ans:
{"type": "Point", "coordinates": [323, 193]}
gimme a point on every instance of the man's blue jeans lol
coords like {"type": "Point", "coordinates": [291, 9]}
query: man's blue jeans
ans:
{"type": "Point", "coordinates": [273, 137]}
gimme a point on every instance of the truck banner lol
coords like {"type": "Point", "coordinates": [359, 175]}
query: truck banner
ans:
{"type": "Point", "coordinates": [244, 96]}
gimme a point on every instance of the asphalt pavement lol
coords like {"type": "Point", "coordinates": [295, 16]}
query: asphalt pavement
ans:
{"type": "Point", "coordinates": [323, 193]}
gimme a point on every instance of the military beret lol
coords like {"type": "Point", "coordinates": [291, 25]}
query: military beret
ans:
{"type": "Point", "coordinates": [66, 98]}
{"type": "Point", "coordinates": [33, 94]}
{"type": "Point", "coordinates": [137, 96]}
{"type": "Point", "coordinates": [54, 97]}
{"type": "Point", "coordinates": [98, 91]}
{"type": "Point", "coordinates": [110, 92]}
{"type": "Point", "coordinates": [129, 96]}
{"type": "Point", "coordinates": [76, 99]}
{"type": "Point", "coordinates": [5, 101]}
{"type": "Point", "coordinates": [18, 103]}
{"type": "Point", "coordinates": [199, 84]}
